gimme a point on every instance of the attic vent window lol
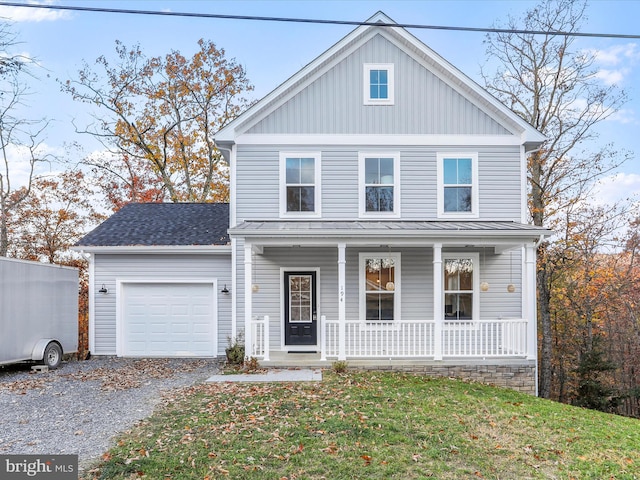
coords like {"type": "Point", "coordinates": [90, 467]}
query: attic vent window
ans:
{"type": "Point", "coordinates": [378, 84]}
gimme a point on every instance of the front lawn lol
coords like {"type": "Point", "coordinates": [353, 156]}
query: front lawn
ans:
{"type": "Point", "coordinates": [372, 425]}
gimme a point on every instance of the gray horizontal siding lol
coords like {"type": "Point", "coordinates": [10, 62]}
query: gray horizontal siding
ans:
{"type": "Point", "coordinates": [108, 268]}
{"type": "Point", "coordinates": [416, 284]}
{"type": "Point", "coordinates": [257, 179]}
{"type": "Point", "coordinates": [424, 103]}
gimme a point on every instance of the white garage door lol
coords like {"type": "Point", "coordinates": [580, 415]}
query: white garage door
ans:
{"type": "Point", "coordinates": [169, 320]}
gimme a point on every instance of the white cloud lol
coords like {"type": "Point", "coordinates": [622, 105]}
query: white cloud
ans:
{"type": "Point", "coordinates": [624, 116]}
{"type": "Point", "coordinates": [30, 14]}
{"type": "Point", "coordinates": [612, 77]}
{"type": "Point", "coordinates": [616, 62]}
{"type": "Point", "coordinates": [617, 54]}
{"type": "Point", "coordinates": [619, 187]}
{"type": "Point", "coordinates": [19, 165]}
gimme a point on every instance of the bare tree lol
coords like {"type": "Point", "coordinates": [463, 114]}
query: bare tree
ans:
{"type": "Point", "coordinates": [552, 84]}
{"type": "Point", "coordinates": [18, 136]}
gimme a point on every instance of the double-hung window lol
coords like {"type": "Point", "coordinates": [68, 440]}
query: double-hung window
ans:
{"type": "Point", "coordinates": [458, 185]}
{"type": "Point", "coordinates": [378, 84]}
{"type": "Point", "coordinates": [299, 184]}
{"type": "Point", "coordinates": [379, 185]}
{"type": "Point", "coordinates": [460, 277]}
{"type": "Point", "coordinates": [379, 286]}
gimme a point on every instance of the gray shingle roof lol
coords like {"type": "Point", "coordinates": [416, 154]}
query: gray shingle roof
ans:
{"type": "Point", "coordinates": [163, 224]}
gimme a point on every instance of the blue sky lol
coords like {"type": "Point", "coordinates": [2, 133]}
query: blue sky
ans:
{"type": "Point", "coordinates": [273, 51]}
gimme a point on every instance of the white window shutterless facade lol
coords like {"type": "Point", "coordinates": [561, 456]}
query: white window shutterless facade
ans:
{"type": "Point", "coordinates": [379, 184]}
{"type": "Point", "coordinates": [378, 84]}
{"type": "Point", "coordinates": [457, 185]}
{"type": "Point", "coordinates": [300, 188]}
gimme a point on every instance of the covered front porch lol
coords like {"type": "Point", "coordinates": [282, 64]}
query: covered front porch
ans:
{"type": "Point", "coordinates": [351, 340]}
{"type": "Point", "coordinates": [461, 292]}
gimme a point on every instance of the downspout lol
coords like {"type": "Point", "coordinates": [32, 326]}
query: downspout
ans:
{"type": "Point", "coordinates": [535, 307]}
{"type": "Point", "coordinates": [229, 155]}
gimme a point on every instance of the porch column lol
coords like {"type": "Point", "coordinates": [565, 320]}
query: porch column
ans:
{"type": "Point", "coordinates": [530, 300]}
{"type": "Point", "coordinates": [437, 301]}
{"type": "Point", "coordinates": [248, 300]}
{"type": "Point", "coordinates": [342, 311]}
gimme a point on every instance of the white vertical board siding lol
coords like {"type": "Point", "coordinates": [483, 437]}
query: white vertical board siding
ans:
{"type": "Point", "coordinates": [109, 267]}
{"type": "Point", "coordinates": [424, 102]}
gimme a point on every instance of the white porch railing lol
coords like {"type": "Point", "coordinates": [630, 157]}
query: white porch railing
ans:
{"type": "Point", "coordinates": [385, 340]}
{"type": "Point", "coordinates": [470, 339]}
{"type": "Point", "coordinates": [495, 338]}
{"type": "Point", "coordinates": [260, 338]}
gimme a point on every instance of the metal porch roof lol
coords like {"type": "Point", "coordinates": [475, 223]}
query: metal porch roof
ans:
{"type": "Point", "coordinates": [396, 229]}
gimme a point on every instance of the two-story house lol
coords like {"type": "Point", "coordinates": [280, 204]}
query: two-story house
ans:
{"type": "Point", "coordinates": [377, 215]}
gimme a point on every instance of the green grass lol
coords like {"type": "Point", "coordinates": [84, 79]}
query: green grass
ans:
{"type": "Point", "coordinates": [372, 426]}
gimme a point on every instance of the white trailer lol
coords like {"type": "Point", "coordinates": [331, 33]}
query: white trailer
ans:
{"type": "Point", "coordinates": [38, 312]}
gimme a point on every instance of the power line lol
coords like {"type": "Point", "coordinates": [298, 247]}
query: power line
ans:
{"type": "Point", "coordinates": [317, 21]}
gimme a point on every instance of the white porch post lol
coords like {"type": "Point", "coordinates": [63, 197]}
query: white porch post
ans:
{"type": "Point", "coordinates": [342, 315]}
{"type": "Point", "coordinates": [437, 301]}
{"type": "Point", "coordinates": [529, 301]}
{"type": "Point", "coordinates": [248, 300]}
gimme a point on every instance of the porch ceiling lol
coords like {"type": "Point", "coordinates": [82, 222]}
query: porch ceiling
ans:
{"type": "Point", "coordinates": [503, 235]}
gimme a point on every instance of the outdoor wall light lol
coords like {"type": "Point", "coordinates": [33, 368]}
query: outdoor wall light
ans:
{"type": "Point", "coordinates": [103, 289]}
{"type": "Point", "coordinates": [225, 290]}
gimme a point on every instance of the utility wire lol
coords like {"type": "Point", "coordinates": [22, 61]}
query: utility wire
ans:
{"type": "Point", "coordinates": [317, 21]}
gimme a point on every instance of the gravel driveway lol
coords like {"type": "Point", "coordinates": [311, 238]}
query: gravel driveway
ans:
{"type": "Point", "coordinates": [80, 407]}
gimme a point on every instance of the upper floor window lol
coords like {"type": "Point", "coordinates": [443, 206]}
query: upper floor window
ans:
{"type": "Point", "coordinates": [379, 184]}
{"type": "Point", "coordinates": [378, 84]}
{"type": "Point", "coordinates": [299, 184]}
{"type": "Point", "coordinates": [458, 185]}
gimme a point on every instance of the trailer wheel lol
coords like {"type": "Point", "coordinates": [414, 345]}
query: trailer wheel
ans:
{"type": "Point", "coordinates": [52, 355]}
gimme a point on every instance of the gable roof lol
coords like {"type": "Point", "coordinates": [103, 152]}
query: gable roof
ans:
{"type": "Point", "coordinates": [158, 224]}
{"type": "Point", "coordinates": [380, 24]}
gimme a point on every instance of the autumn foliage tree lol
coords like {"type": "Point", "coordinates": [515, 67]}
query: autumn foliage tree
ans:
{"type": "Point", "coordinates": [58, 211]}
{"type": "Point", "coordinates": [552, 84]}
{"type": "Point", "coordinates": [157, 116]}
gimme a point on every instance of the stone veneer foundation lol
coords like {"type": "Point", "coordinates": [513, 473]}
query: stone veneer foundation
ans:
{"type": "Point", "coordinates": [516, 377]}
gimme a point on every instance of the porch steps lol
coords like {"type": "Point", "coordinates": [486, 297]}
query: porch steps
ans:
{"type": "Point", "coordinates": [289, 360]}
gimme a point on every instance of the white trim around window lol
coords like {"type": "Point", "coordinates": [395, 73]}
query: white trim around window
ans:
{"type": "Point", "coordinates": [458, 312]}
{"type": "Point", "coordinates": [388, 284]}
{"type": "Point", "coordinates": [384, 89]}
{"type": "Point", "coordinates": [315, 183]}
{"type": "Point", "coordinates": [473, 210]}
{"type": "Point", "coordinates": [391, 209]}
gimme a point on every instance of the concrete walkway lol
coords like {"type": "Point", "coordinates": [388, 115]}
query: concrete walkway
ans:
{"type": "Point", "coordinates": [302, 375]}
